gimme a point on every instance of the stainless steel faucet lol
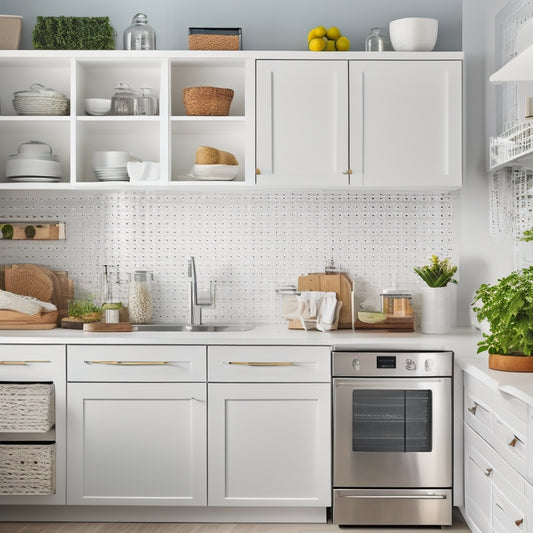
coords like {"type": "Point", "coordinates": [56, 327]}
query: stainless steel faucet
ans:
{"type": "Point", "coordinates": [196, 304]}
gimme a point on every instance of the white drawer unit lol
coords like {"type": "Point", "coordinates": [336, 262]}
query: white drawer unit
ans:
{"type": "Point", "coordinates": [33, 446]}
{"type": "Point", "coordinates": [139, 363]}
{"type": "Point", "coordinates": [269, 364]}
{"type": "Point", "coordinates": [477, 413]}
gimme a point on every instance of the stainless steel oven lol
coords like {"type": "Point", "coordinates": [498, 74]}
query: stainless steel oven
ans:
{"type": "Point", "coordinates": [392, 438]}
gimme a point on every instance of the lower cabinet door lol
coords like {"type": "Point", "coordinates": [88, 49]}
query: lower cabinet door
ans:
{"type": "Point", "coordinates": [137, 444]}
{"type": "Point", "coordinates": [269, 444]}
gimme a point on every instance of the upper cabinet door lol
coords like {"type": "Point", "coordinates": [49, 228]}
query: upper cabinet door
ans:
{"type": "Point", "coordinates": [406, 123]}
{"type": "Point", "coordinates": [302, 123]}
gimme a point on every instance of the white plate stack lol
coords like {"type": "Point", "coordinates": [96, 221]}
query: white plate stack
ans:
{"type": "Point", "coordinates": [40, 101]}
{"type": "Point", "coordinates": [111, 165]}
{"type": "Point", "coordinates": [34, 162]}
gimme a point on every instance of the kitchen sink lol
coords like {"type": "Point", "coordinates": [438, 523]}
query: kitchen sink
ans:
{"type": "Point", "coordinates": [190, 327]}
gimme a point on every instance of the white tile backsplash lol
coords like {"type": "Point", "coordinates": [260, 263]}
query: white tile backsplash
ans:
{"type": "Point", "coordinates": [249, 242]}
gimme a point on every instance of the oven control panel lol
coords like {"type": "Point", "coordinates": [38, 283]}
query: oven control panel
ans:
{"type": "Point", "coordinates": [394, 364]}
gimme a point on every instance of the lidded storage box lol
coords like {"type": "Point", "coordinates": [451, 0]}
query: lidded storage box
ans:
{"type": "Point", "coordinates": [215, 39]}
{"type": "Point", "coordinates": [26, 407]}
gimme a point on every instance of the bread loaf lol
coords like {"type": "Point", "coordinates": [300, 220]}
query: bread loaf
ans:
{"type": "Point", "coordinates": [207, 155]}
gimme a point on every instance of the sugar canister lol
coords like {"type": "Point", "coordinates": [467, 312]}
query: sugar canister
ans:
{"type": "Point", "coordinates": [140, 297]}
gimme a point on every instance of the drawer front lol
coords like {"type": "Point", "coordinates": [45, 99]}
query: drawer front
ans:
{"type": "Point", "coordinates": [511, 444]}
{"type": "Point", "coordinates": [269, 363]}
{"type": "Point", "coordinates": [32, 362]}
{"type": "Point", "coordinates": [140, 363]}
{"type": "Point", "coordinates": [477, 413]}
{"type": "Point", "coordinates": [507, 516]}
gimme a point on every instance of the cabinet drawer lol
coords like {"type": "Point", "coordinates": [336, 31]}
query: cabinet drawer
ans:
{"type": "Point", "coordinates": [269, 363]}
{"type": "Point", "coordinates": [31, 362]}
{"type": "Point", "coordinates": [136, 363]}
{"type": "Point", "coordinates": [477, 413]}
{"type": "Point", "coordinates": [511, 444]}
{"type": "Point", "coordinates": [507, 516]}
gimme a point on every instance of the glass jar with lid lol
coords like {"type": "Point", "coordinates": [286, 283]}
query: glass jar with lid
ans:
{"type": "Point", "coordinates": [123, 101]}
{"type": "Point", "coordinates": [140, 297]}
{"type": "Point", "coordinates": [146, 103]}
{"type": "Point", "coordinates": [139, 36]}
{"type": "Point", "coordinates": [378, 41]}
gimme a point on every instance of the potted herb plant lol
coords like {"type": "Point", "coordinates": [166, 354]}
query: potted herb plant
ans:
{"type": "Point", "coordinates": [436, 301]}
{"type": "Point", "coordinates": [507, 306]}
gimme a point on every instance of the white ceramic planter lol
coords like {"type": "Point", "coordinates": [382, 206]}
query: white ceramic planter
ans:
{"type": "Point", "coordinates": [435, 310]}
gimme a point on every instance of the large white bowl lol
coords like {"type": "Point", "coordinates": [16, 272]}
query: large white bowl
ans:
{"type": "Point", "coordinates": [112, 159]}
{"type": "Point", "coordinates": [413, 34]}
{"type": "Point", "coordinates": [97, 106]}
{"type": "Point", "coordinates": [214, 172]}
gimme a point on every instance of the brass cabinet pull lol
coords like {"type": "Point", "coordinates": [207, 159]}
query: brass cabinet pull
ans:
{"type": "Point", "coordinates": [22, 363]}
{"type": "Point", "coordinates": [473, 409]}
{"type": "Point", "coordinates": [261, 363]}
{"type": "Point", "coordinates": [349, 171]}
{"type": "Point", "coordinates": [488, 472]}
{"type": "Point", "coordinates": [515, 441]}
{"type": "Point", "coordinates": [258, 171]}
{"type": "Point", "coordinates": [519, 522]}
{"type": "Point", "coordinates": [128, 363]}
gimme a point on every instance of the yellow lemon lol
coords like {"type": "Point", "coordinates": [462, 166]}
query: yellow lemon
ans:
{"type": "Point", "coordinates": [342, 44]}
{"type": "Point", "coordinates": [333, 33]}
{"type": "Point", "coordinates": [317, 44]}
{"type": "Point", "coordinates": [319, 31]}
{"type": "Point", "coordinates": [330, 46]}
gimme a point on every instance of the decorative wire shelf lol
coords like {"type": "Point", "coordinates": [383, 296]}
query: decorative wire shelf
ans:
{"type": "Point", "coordinates": [512, 146]}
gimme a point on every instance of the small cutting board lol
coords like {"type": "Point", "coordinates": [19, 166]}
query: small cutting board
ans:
{"type": "Point", "coordinates": [15, 320]}
{"type": "Point", "coordinates": [102, 326]}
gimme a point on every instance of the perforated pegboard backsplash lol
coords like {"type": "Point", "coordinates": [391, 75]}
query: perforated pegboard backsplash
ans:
{"type": "Point", "coordinates": [249, 243]}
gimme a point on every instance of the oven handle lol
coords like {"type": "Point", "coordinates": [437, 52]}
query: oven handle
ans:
{"type": "Point", "coordinates": [396, 497]}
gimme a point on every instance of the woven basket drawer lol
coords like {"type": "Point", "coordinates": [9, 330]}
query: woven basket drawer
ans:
{"type": "Point", "coordinates": [26, 407]}
{"type": "Point", "coordinates": [27, 469]}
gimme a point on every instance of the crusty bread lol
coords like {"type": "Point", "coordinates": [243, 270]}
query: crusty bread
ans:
{"type": "Point", "coordinates": [207, 155]}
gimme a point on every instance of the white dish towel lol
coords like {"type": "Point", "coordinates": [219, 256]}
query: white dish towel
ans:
{"type": "Point", "coordinates": [318, 309]}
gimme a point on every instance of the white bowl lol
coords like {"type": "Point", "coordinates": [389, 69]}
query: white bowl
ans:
{"type": "Point", "coordinates": [413, 34]}
{"type": "Point", "coordinates": [112, 159]}
{"type": "Point", "coordinates": [214, 172]}
{"type": "Point", "coordinates": [143, 171]}
{"type": "Point", "coordinates": [97, 106]}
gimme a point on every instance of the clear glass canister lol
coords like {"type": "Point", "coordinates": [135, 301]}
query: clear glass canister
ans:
{"type": "Point", "coordinates": [397, 302]}
{"type": "Point", "coordinates": [378, 41]}
{"type": "Point", "coordinates": [146, 102]}
{"type": "Point", "coordinates": [123, 101]}
{"type": "Point", "coordinates": [140, 297]}
{"type": "Point", "coordinates": [139, 36]}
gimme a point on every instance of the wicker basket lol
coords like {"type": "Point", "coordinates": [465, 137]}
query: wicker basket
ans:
{"type": "Point", "coordinates": [27, 469]}
{"type": "Point", "coordinates": [26, 407]}
{"type": "Point", "coordinates": [212, 101]}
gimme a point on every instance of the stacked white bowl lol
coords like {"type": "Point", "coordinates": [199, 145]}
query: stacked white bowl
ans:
{"type": "Point", "coordinates": [34, 162]}
{"type": "Point", "coordinates": [111, 165]}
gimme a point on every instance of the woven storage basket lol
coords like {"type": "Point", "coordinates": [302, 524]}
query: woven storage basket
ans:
{"type": "Point", "coordinates": [212, 101]}
{"type": "Point", "coordinates": [27, 469]}
{"type": "Point", "coordinates": [26, 407]}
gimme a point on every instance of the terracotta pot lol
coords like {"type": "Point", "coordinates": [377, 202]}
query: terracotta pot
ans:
{"type": "Point", "coordinates": [511, 363]}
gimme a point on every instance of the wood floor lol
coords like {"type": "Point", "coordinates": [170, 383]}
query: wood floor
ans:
{"type": "Point", "coordinates": [459, 526]}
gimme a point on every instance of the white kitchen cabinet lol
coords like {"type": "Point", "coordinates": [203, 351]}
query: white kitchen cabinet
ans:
{"type": "Point", "coordinates": [302, 123]}
{"type": "Point", "coordinates": [393, 124]}
{"type": "Point", "coordinates": [38, 364]}
{"type": "Point", "coordinates": [406, 123]}
{"type": "Point", "coordinates": [133, 442]}
{"type": "Point", "coordinates": [269, 442]}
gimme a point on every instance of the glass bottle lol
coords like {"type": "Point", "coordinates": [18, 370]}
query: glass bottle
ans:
{"type": "Point", "coordinates": [378, 41]}
{"type": "Point", "coordinates": [140, 297]}
{"type": "Point", "coordinates": [123, 101]}
{"type": "Point", "coordinates": [146, 102]}
{"type": "Point", "coordinates": [139, 36]}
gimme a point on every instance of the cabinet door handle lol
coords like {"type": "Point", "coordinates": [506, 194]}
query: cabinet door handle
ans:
{"type": "Point", "coordinates": [128, 363]}
{"type": "Point", "coordinates": [261, 363]}
{"type": "Point", "coordinates": [473, 409]}
{"type": "Point", "coordinates": [348, 172]}
{"type": "Point", "coordinates": [258, 171]}
{"type": "Point", "coordinates": [519, 522]}
{"type": "Point", "coordinates": [488, 472]}
{"type": "Point", "coordinates": [22, 363]}
{"type": "Point", "coordinates": [515, 441]}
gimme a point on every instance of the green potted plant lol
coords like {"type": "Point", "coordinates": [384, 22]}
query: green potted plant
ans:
{"type": "Point", "coordinates": [436, 301]}
{"type": "Point", "coordinates": [507, 306]}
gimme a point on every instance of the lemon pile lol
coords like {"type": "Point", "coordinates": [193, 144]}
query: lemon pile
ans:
{"type": "Point", "coordinates": [329, 40]}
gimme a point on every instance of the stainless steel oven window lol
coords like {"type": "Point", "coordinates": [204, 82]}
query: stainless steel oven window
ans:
{"type": "Point", "coordinates": [387, 420]}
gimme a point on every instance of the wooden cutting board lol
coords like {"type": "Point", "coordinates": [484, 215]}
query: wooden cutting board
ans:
{"type": "Point", "coordinates": [104, 327]}
{"type": "Point", "coordinates": [339, 283]}
{"type": "Point", "coordinates": [16, 320]}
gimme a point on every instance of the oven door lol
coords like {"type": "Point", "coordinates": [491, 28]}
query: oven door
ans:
{"type": "Point", "coordinates": [392, 432]}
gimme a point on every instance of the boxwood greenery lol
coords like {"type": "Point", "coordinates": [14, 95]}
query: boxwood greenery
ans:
{"type": "Point", "coordinates": [73, 33]}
